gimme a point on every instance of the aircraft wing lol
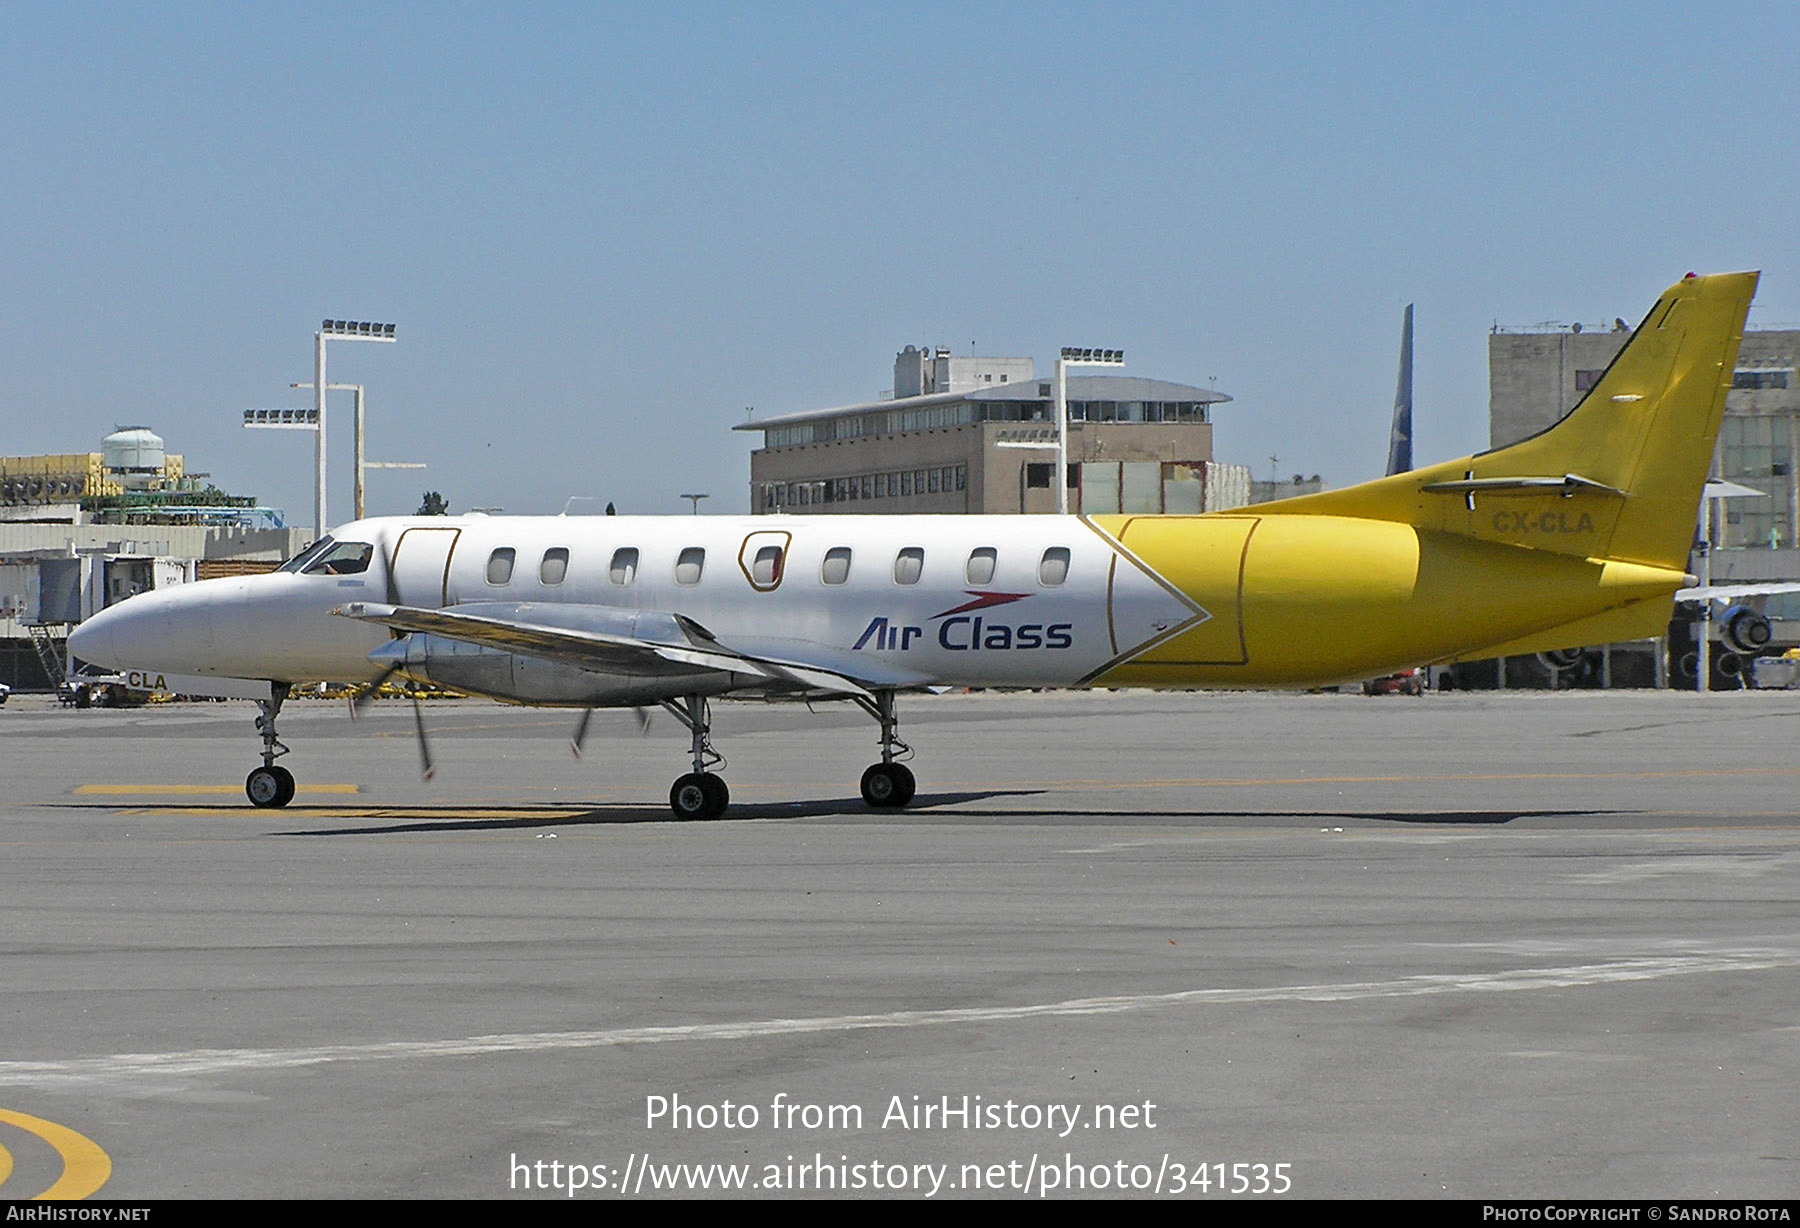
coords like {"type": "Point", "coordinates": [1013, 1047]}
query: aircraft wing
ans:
{"type": "Point", "coordinates": [610, 640]}
{"type": "Point", "coordinates": [1736, 592]}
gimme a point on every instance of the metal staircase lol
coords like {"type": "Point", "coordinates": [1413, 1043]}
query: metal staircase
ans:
{"type": "Point", "coordinates": [50, 640]}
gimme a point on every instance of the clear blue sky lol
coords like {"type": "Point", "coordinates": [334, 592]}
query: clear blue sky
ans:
{"type": "Point", "coordinates": [604, 231]}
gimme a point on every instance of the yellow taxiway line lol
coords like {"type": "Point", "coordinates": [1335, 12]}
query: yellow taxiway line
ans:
{"type": "Point", "coordinates": [85, 1167]}
{"type": "Point", "coordinates": [190, 790]}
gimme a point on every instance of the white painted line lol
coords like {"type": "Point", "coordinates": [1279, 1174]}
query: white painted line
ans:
{"type": "Point", "coordinates": [197, 1062]}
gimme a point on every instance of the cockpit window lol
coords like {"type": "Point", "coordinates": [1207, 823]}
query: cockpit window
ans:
{"type": "Point", "coordinates": [307, 555]}
{"type": "Point", "coordinates": [342, 559]}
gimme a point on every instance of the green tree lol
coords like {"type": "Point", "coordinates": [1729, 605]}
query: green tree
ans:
{"type": "Point", "coordinates": [433, 505]}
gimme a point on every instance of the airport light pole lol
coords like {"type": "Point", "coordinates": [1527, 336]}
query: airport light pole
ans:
{"type": "Point", "coordinates": [333, 330]}
{"type": "Point", "coordinates": [1073, 356]}
{"type": "Point", "coordinates": [695, 500]}
{"type": "Point", "coordinates": [292, 420]}
{"type": "Point", "coordinates": [362, 464]}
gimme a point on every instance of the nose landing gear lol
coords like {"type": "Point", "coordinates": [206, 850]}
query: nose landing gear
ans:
{"type": "Point", "coordinates": [270, 786]}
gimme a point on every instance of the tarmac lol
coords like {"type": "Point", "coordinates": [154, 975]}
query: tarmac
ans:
{"type": "Point", "coordinates": [1520, 945]}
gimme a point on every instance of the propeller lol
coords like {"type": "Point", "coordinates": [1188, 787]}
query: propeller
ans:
{"type": "Point", "coordinates": [369, 690]}
{"type": "Point", "coordinates": [587, 714]}
{"type": "Point", "coordinates": [367, 694]}
{"type": "Point", "coordinates": [581, 728]}
{"type": "Point", "coordinates": [426, 768]}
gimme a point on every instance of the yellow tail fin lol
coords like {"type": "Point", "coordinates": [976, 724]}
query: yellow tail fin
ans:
{"type": "Point", "coordinates": [1619, 477]}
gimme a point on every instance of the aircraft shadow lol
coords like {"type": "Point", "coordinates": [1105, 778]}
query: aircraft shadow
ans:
{"type": "Point", "coordinates": [402, 819]}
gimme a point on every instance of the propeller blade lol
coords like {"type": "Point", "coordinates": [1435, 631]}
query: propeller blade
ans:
{"type": "Point", "coordinates": [427, 770]}
{"type": "Point", "coordinates": [362, 698]}
{"type": "Point", "coordinates": [643, 719]}
{"type": "Point", "coordinates": [581, 728]}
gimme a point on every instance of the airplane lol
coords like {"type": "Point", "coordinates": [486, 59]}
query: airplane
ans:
{"type": "Point", "coordinates": [1576, 535]}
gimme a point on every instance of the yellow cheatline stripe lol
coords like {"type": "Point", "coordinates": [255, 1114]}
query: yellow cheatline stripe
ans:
{"type": "Point", "coordinates": [85, 1167]}
{"type": "Point", "coordinates": [190, 790]}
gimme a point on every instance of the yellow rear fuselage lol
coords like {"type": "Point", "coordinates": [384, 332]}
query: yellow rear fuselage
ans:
{"type": "Point", "coordinates": [1308, 600]}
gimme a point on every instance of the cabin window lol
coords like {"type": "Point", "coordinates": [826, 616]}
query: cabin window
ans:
{"type": "Point", "coordinates": [500, 565]}
{"type": "Point", "coordinates": [765, 568]}
{"type": "Point", "coordinates": [1053, 568]}
{"type": "Point", "coordinates": [981, 565]}
{"type": "Point", "coordinates": [836, 567]}
{"type": "Point", "coordinates": [909, 565]}
{"type": "Point", "coordinates": [689, 564]}
{"type": "Point", "coordinates": [343, 559]}
{"type": "Point", "coordinates": [555, 567]}
{"type": "Point", "coordinates": [623, 569]}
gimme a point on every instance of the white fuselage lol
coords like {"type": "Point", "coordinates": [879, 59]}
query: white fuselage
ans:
{"type": "Point", "coordinates": [1014, 600]}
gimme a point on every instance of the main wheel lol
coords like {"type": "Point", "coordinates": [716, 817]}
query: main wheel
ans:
{"type": "Point", "coordinates": [888, 785]}
{"type": "Point", "coordinates": [269, 788]}
{"type": "Point", "coordinates": [699, 795]}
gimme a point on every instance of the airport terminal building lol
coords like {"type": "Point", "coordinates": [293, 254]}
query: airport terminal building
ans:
{"type": "Point", "coordinates": [84, 530]}
{"type": "Point", "coordinates": [977, 435]}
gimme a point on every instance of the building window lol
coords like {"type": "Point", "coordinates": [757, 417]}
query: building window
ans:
{"type": "Point", "coordinates": [555, 566]}
{"type": "Point", "coordinates": [836, 568]}
{"type": "Point", "coordinates": [624, 565]}
{"type": "Point", "coordinates": [689, 564]}
{"type": "Point", "coordinates": [909, 565]}
{"type": "Point", "coordinates": [500, 565]}
{"type": "Point", "coordinates": [1037, 476]}
{"type": "Point", "coordinates": [1760, 378]}
{"type": "Point", "coordinates": [980, 570]}
{"type": "Point", "coordinates": [1053, 568]}
{"type": "Point", "coordinates": [1585, 380]}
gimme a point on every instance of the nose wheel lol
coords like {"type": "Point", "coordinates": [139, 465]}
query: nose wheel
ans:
{"type": "Point", "coordinates": [269, 788]}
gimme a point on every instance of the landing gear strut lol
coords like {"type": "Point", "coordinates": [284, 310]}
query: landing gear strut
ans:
{"type": "Point", "coordinates": [700, 794]}
{"type": "Point", "coordinates": [270, 787]}
{"type": "Point", "coordinates": [888, 784]}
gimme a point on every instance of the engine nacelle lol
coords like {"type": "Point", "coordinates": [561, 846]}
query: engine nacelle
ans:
{"type": "Point", "coordinates": [1744, 630]}
{"type": "Point", "coordinates": [1561, 658]}
{"type": "Point", "coordinates": [518, 678]}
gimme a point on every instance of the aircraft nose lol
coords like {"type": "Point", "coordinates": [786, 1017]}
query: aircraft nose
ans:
{"type": "Point", "coordinates": [163, 630]}
{"type": "Point", "coordinates": [91, 641]}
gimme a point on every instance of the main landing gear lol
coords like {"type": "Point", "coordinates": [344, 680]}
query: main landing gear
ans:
{"type": "Point", "coordinates": [887, 785]}
{"type": "Point", "coordinates": [270, 786]}
{"type": "Point", "coordinates": [701, 794]}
